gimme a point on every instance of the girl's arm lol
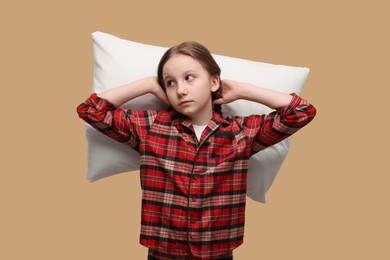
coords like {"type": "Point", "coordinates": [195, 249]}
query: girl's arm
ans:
{"type": "Point", "coordinates": [120, 95]}
{"type": "Point", "coordinates": [291, 113]}
{"type": "Point", "coordinates": [104, 113]}
{"type": "Point", "coordinates": [233, 90]}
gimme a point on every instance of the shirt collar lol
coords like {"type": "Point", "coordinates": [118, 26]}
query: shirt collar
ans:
{"type": "Point", "coordinates": [177, 117]}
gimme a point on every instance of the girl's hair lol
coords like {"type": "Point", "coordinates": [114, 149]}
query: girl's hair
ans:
{"type": "Point", "coordinates": [198, 52]}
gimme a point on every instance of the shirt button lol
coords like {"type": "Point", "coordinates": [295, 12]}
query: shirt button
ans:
{"type": "Point", "coordinates": [194, 198]}
{"type": "Point", "coordinates": [196, 176]}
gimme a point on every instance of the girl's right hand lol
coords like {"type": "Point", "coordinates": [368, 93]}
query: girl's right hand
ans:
{"type": "Point", "coordinates": [157, 90]}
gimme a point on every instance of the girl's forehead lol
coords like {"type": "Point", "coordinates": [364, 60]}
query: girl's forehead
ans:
{"type": "Point", "coordinates": [180, 62]}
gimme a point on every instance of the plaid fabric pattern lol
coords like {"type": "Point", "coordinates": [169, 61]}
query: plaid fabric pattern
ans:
{"type": "Point", "coordinates": [193, 201]}
{"type": "Point", "coordinates": [154, 255]}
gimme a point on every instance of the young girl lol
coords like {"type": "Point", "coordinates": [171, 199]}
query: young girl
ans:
{"type": "Point", "coordinates": [194, 161]}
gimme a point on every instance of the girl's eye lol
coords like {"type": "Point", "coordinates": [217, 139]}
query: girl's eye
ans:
{"type": "Point", "coordinates": [190, 77]}
{"type": "Point", "coordinates": [169, 83]}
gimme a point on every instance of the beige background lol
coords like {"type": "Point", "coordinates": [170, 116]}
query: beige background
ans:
{"type": "Point", "coordinates": [331, 198]}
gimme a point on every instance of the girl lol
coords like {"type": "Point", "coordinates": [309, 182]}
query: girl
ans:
{"type": "Point", "coordinates": [194, 161]}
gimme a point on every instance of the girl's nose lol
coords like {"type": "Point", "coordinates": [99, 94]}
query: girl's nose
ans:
{"type": "Point", "coordinates": [181, 89]}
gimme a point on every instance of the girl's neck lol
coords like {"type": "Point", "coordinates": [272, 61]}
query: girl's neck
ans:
{"type": "Point", "coordinates": [201, 121]}
{"type": "Point", "coordinates": [203, 117]}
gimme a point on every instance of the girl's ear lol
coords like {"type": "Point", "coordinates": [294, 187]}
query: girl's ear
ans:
{"type": "Point", "coordinates": [214, 83]}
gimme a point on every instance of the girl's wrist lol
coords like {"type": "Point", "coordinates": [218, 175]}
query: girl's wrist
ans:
{"type": "Point", "coordinates": [147, 84]}
{"type": "Point", "coordinates": [244, 91]}
{"type": "Point", "coordinates": [152, 85]}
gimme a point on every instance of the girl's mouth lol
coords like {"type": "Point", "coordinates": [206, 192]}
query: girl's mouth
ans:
{"type": "Point", "coordinates": [184, 103]}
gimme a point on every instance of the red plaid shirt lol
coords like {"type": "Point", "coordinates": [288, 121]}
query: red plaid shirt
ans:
{"type": "Point", "coordinates": [193, 200]}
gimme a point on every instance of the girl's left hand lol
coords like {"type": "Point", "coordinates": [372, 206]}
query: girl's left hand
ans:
{"type": "Point", "coordinates": [229, 92]}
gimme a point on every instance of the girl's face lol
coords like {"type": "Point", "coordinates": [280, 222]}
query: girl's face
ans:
{"type": "Point", "coordinates": [189, 86]}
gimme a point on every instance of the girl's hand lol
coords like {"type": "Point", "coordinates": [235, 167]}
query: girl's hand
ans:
{"type": "Point", "coordinates": [157, 90]}
{"type": "Point", "coordinates": [229, 90]}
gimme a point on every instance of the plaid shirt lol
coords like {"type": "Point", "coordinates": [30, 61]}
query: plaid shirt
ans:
{"type": "Point", "coordinates": [193, 193]}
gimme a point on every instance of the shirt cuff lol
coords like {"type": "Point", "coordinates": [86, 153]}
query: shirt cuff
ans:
{"type": "Point", "coordinates": [294, 103]}
{"type": "Point", "coordinates": [99, 103]}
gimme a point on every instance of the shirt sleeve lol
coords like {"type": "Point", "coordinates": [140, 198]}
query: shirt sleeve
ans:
{"type": "Point", "coordinates": [122, 125]}
{"type": "Point", "coordinates": [267, 130]}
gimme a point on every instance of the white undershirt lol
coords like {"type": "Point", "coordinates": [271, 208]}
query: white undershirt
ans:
{"type": "Point", "coordinates": [199, 130]}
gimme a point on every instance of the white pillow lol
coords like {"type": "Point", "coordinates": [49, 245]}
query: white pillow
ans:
{"type": "Point", "coordinates": [119, 61]}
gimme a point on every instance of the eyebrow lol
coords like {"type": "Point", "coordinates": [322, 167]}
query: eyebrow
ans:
{"type": "Point", "coordinates": [184, 73]}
